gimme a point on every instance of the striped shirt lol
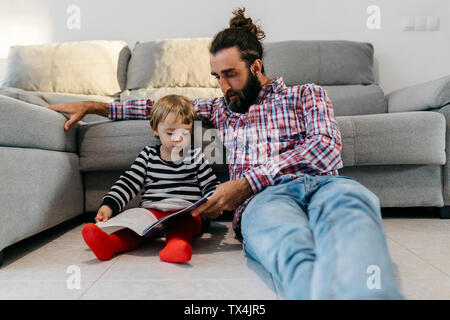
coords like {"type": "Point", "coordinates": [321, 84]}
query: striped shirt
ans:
{"type": "Point", "coordinates": [289, 131]}
{"type": "Point", "coordinates": [166, 185]}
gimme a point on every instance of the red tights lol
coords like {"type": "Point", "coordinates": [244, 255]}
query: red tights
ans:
{"type": "Point", "coordinates": [178, 239]}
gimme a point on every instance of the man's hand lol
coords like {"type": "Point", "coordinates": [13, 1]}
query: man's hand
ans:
{"type": "Point", "coordinates": [77, 110]}
{"type": "Point", "coordinates": [227, 196]}
{"type": "Point", "coordinates": [104, 213]}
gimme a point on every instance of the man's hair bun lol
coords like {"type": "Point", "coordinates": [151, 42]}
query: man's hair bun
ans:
{"type": "Point", "coordinates": [239, 21]}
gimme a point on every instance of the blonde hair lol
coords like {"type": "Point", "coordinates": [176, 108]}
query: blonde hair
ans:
{"type": "Point", "coordinates": [179, 105]}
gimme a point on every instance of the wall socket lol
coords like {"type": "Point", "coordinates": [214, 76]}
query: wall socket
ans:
{"type": "Point", "coordinates": [420, 23]}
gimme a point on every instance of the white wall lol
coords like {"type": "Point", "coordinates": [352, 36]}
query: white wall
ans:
{"type": "Point", "coordinates": [405, 58]}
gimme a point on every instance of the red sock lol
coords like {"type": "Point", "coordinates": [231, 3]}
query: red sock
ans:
{"type": "Point", "coordinates": [179, 238]}
{"type": "Point", "coordinates": [106, 245]}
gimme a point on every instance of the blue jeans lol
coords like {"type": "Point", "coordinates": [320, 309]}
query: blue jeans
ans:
{"type": "Point", "coordinates": [321, 237]}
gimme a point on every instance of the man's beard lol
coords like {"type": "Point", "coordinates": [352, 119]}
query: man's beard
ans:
{"type": "Point", "coordinates": [245, 97]}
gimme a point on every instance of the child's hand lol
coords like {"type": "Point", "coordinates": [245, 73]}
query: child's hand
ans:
{"type": "Point", "coordinates": [103, 214]}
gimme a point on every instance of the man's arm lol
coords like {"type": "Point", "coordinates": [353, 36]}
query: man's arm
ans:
{"type": "Point", "coordinates": [321, 151]}
{"type": "Point", "coordinates": [138, 109]}
{"type": "Point", "coordinates": [77, 110]}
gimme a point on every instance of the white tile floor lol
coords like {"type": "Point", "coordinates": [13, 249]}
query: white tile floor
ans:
{"type": "Point", "coordinates": [37, 268]}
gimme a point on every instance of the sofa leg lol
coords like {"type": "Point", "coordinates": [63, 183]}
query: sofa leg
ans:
{"type": "Point", "coordinates": [445, 212]}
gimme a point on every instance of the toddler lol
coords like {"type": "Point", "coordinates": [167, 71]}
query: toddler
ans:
{"type": "Point", "coordinates": [173, 175]}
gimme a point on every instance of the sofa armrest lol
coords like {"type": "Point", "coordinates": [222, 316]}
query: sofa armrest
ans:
{"type": "Point", "coordinates": [445, 111]}
{"type": "Point", "coordinates": [24, 125]}
{"type": "Point", "coordinates": [421, 97]}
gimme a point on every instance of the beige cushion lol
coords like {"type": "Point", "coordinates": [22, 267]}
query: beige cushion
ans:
{"type": "Point", "coordinates": [171, 63]}
{"type": "Point", "coordinates": [157, 93]}
{"type": "Point", "coordinates": [84, 67]}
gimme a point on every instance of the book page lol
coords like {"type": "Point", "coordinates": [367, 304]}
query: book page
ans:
{"type": "Point", "coordinates": [161, 223]}
{"type": "Point", "coordinates": [136, 219]}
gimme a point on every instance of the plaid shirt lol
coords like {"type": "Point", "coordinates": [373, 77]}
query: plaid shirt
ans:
{"type": "Point", "coordinates": [287, 132]}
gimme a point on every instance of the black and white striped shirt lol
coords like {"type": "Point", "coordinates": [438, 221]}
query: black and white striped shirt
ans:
{"type": "Point", "coordinates": [166, 185]}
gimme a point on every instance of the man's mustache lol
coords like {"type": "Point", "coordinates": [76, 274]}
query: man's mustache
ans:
{"type": "Point", "coordinates": [230, 93]}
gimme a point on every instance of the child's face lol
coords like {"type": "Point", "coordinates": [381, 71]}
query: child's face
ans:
{"type": "Point", "coordinates": [174, 135]}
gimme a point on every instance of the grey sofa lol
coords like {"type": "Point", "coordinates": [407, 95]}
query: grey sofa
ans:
{"type": "Point", "coordinates": [395, 145]}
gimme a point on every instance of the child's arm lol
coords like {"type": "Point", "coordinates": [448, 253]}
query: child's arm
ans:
{"type": "Point", "coordinates": [104, 213]}
{"type": "Point", "coordinates": [206, 177]}
{"type": "Point", "coordinates": [129, 184]}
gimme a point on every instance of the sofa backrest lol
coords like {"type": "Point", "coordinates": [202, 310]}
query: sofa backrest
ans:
{"type": "Point", "coordinates": [82, 67]}
{"type": "Point", "coordinates": [181, 66]}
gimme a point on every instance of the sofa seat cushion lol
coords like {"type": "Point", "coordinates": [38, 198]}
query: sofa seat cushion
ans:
{"type": "Point", "coordinates": [352, 100]}
{"type": "Point", "coordinates": [114, 145]}
{"type": "Point", "coordinates": [397, 138]}
{"type": "Point", "coordinates": [25, 125]}
{"type": "Point", "coordinates": [382, 139]}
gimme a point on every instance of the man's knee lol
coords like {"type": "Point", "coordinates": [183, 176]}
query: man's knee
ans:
{"type": "Point", "coordinates": [351, 191]}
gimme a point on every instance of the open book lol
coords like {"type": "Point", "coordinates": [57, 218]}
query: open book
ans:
{"type": "Point", "coordinates": [144, 222]}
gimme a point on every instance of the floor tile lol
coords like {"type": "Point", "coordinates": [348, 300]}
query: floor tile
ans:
{"type": "Point", "coordinates": [408, 265]}
{"type": "Point", "coordinates": [50, 261]}
{"type": "Point", "coordinates": [410, 227]}
{"type": "Point", "coordinates": [42, 290]}
{"type": "Point", "coordinates": [426, 289]}
{"type": "Point", "coordinates": [204, 289]}
{"type": "Point", "coordinates": [434, 250]}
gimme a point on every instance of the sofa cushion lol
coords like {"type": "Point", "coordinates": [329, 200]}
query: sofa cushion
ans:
{"type": "Point", "coordinates": [171, 63]}
{"type": "Point", "coordinates": [25, 125]}
{"type": "Point", "coordinates": [84, 67]}
{"type": "Point", "coordinates": [157, 93]}
{"type": "Point", "coordinates": [114, 145]}
{"type": "Point", "coordinates": [382, 139]}
{"type": "Point", "coordinates": [398, 138]}
{"type": "Point", "coordinates": [320, 62]}
{"type": "Point", "coordinates": [352, 100]}
{"type": "Point", "coordinates": [424, 96]}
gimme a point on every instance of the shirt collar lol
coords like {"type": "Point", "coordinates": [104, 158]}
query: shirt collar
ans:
{"type": "Point", "coordinates": [275, 86]}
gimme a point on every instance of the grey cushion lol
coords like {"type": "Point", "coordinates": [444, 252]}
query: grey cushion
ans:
{"type": "Point", "coordinates": [401, 138]}
{"type": "Point", "coordinates": [424, 96]}
{"type": "Point", "coordinates": [320, 62]}
{"type": "Point", "coordinates": [26, 125]}
{"type": "Point", "coordinates": [114, 145]}
{"type": "Point", "coordinates": [352, 100]}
